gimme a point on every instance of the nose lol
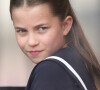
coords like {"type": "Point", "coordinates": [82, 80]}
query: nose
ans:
{"type": "Point", "coordinates": [33, 40]}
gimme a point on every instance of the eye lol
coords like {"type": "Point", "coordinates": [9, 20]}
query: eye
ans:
{"type": "Point", "coordinates": [43, 28]}
{"type": "Point", "coordinates": [21, 30]}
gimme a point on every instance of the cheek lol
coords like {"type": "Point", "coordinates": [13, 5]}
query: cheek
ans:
{"type": "Point", "coordinates": [21, 42]}
{"type": "Point", "coordinates": [53, 42]}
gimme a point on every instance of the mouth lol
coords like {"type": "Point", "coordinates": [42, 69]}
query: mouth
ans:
{"type": "Point", "coordinates": [35, 53]}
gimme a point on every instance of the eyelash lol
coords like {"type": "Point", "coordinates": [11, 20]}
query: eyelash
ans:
{"type": "Point", "coordinates": [21, 31]}
{"type": "Point", "coordinates": [43, 28]}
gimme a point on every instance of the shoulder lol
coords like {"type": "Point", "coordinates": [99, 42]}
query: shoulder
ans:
{"type": "Point", "coordinates": [49, 74]}
{"type": "Point", "coordinates": [49, 68]}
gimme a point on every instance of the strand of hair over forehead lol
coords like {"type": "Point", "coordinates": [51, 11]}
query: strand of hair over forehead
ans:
{"type": "Point", "coordinates": [63, 3]}
{"type": "Point", "coordinates": [25, 1]}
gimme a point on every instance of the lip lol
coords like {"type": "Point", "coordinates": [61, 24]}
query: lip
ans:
{"type": "Point", "coordinates": [35, 53]}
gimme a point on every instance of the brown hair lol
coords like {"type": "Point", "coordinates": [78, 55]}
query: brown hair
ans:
{"type": "Point", "coordinates": [75, 38]}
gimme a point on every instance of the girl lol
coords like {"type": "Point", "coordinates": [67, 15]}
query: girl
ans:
{"type": "Point", "coordinates": [48, 32]}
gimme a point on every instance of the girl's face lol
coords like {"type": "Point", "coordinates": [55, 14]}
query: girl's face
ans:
{"type": "Point", "coordinates": [39, 33]}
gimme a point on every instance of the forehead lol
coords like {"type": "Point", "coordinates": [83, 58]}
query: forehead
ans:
{"type": "Point", "coordinates": [32, 15]}
{"type": "Point", "coordinates": [40, 9]}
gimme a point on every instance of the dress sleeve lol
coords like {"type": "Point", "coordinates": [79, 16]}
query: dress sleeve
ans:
{"type": "Point", "coordinates": [49, 75]}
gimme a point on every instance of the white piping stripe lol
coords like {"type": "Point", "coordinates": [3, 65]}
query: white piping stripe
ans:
{"type": "Point", "coordinates": [70, 68]}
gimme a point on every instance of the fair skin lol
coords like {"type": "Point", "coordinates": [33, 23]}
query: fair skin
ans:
{"type": "Point", "coordinates": [39, 33]}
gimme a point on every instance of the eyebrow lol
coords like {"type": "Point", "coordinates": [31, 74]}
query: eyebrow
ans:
{"type": "Point", "coordinates": [39, 25]}
{"type": "Point", "coordinates": [34, 26]}
{"type": "Point", "coordinates": [19, 28]}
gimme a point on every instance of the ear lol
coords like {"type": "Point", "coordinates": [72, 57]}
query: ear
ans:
{"type": "Point", "coordinates": [67, 24]}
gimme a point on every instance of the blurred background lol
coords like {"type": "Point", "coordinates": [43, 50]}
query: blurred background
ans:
{"type": "Point", "coordinates": [15, 67]}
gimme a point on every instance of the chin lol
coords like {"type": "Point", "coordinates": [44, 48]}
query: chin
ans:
{"type": "Point", "coordinates": [36, 61]}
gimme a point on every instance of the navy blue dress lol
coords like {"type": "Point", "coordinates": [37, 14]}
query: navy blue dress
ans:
{"type": "Point", "coordinates": [53, 75]}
